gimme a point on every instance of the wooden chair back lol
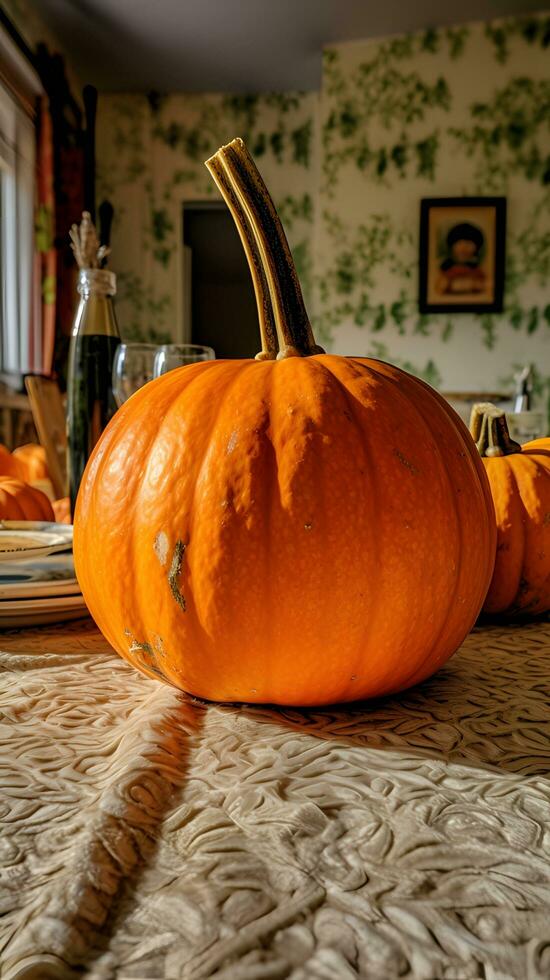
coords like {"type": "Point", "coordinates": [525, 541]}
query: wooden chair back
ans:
{"type": "Point", "coordinates": [49, 418]}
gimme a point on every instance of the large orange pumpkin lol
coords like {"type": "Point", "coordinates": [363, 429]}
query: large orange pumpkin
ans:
{"type": "Point", "coordinates": [299, 530]}
{"type": "Point", "coordinates": [519, 477]}
{"type": "Point", "coordinates": [20, 502]}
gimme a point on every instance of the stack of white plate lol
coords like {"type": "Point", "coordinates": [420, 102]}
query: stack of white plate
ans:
{"type": "Point", "coordinates": [38, 584]}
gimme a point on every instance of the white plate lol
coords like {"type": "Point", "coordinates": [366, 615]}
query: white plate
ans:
{"type": "Point", "coordinates": [33, 539]}
{"type": "Point", "coordinates": [30, 578]}
{"type": "Point", "coordinates": [37, 612]}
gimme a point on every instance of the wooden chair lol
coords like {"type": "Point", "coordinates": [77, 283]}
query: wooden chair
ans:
{"type": "Point", "coordinates": [49, 418]}
{"type": "Point", "coordinates": [16, 422]}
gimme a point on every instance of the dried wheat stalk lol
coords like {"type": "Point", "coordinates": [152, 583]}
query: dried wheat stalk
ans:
{"type": "Point", "coordinates": [87, 251]}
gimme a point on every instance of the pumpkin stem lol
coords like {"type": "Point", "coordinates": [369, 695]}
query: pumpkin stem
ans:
{"type": "Point", "coordinates": [268, 333]}
{"type": "Point", "coordinates": [489, 431]}
{"type": "Point", "coordinates": [293, 328]}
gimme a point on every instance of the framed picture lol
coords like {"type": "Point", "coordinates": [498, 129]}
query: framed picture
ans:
{"type": "Point", "coordinates": [462, 250]}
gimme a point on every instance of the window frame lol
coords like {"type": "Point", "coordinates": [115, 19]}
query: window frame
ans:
{"type": "Point", "coordinates": [20, 327]}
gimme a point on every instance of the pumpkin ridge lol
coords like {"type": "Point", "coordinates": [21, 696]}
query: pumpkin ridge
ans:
{"type": "Point", "coordinates": [533, 453]}
{"type": "Point", "coordinates": [520, 470]}
{"type": "Point", "coordinates": [483, 482]}
{"type": "Point", "coordinates": [199, 600]}
{"type": "Point", "coordinates": [233, 371]}
{"type": "Point", "coordinates": [476, 464]}
{"type": "Point", "coordinates": [416, 674]}
{"type": "Point", "coordinates": [510, 488]}
{"type": "Point", "coordinates": [325, 363]}
{"type": "Point", "coordinates": [525, 517]}
{"type": "Point", "coordinates": [518, 523]}
{"type": "Point", "coordinates": [21, 502]}
{"type": "Point", "coordinates": [114, 437]}
{"type": "Point", "coordinates": [396, 383]}
{"type": "Point", "coordinates": [304, 501]}
{"type": "Point", "coordinates": [208, 436]}
{"type": "Point", "coordinates": [478, 467]}
{"type": "Point", "coordinates": [238, 375]}
{"type": "Point", "coordinates": [272, 485]}
{"type": "Point", "coordinates": [131, 629]}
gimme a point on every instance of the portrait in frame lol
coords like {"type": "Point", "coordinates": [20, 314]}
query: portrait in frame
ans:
{"type": "Point", "coordinates": [462, 254]}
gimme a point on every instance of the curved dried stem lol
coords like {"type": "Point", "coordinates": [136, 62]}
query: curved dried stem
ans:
{"type": "Point", "coordinates": [489, 430]}
{"type": "Point", "coordinates": [261, 291]}
{"type": "Point", "coordinates": [293, 328]}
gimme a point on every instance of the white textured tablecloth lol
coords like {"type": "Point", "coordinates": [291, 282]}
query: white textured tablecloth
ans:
{"type": "Point", "coordinates": [146, 835]}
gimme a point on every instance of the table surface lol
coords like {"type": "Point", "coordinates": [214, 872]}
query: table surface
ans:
{"type": "Point", "coordinates": [148, 835]}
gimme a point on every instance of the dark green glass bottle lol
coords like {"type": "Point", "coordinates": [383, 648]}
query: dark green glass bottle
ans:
{"type": "Point", "coordinates": [90, 400]}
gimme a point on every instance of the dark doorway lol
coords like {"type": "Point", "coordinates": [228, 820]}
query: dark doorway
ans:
{"type": "Point", "coordinates": [222, 304]}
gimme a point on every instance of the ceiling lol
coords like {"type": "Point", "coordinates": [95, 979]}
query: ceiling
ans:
{"type": "Point", "coordinates": [234, 45]}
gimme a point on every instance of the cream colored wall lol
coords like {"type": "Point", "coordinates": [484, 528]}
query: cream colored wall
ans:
{"type": "Point", "coordinates": [445, 113]}
{"type": "Point", "coordinates": [151, 159]}
{"type": "Point", "coordinates": [397, 119]}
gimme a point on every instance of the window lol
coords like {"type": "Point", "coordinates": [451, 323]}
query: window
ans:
{"type": "Point", "coordinates": [20, 334]}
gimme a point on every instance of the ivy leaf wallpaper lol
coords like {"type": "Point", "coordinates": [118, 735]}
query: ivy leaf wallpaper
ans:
{"type": "Point", "coordinates": [151, 153]}
{"type": "Point", "coordinates": [459, 111]}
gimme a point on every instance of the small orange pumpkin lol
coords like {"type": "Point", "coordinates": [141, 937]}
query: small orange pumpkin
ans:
{"type": "Point", "coordinates": [20, 502]}
{"type": "Point", "coordinates": [62, 510]}
{"type": "Point", "coordinates": [10, 465]}
{"type": "Point", "coordinates": [519, 477]}
{"type": "Point", "coordinates": [32, 459]}
{"type": "Point", "coordinates": [301, 528]}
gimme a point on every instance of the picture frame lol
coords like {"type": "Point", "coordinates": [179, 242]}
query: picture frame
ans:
{"type": "Point", "coordinates": [462, 254]}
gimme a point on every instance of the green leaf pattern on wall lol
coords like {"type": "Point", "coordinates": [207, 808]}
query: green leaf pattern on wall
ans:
{"type": "Point", "coordinates": [437, 113]}
{"type": "Point", "coordinates": [380, 89]}
{"type": "Point", "coordinates": [151, 153]}
{"type": "Point", "coordinates": [445, 112]}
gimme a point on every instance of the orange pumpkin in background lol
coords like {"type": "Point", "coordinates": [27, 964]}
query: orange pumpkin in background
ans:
{"type": "Point", "coordinates": [301, 528]}
{"type": "Point", "coordinates": [519, 477]}
{"type": "Point", "coordinates": [10, 465]}
{"type": "Point", "coordinates": [62, 510]}
{"type": "Point", "coordinates": [20, 502]}
{"type": "Point", "coordinates": [32, 460]}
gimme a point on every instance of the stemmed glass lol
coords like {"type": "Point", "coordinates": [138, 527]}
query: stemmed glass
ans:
{"type": "Point", "coordinates": [133, 367]}
{"type": "Point", "coordinates": [171, 356]}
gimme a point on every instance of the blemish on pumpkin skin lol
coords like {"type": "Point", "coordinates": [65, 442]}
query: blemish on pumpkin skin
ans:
{"type": "Point", "coordinates": [308, 527]}
{"type": "Point", "coordinates": [145, 655]}
{"type": "Point", "coordinates": [173, 574]}
{"type": "Point", "coordinates": [160, 547]}
{"type": "Point", "coordinates": [232, 442]}
{"type": "Point", "coordinates": [136, 647]}
{"type": "Point", "coordinates": [406, 462]}
{"type": "Point", "coordinates": [159, 645]}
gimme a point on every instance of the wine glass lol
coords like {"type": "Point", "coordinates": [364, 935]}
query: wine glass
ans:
{"type": "Point", "coordinates": [171, 356]}
{"type": "Point", "coordinates": [133, 367]}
